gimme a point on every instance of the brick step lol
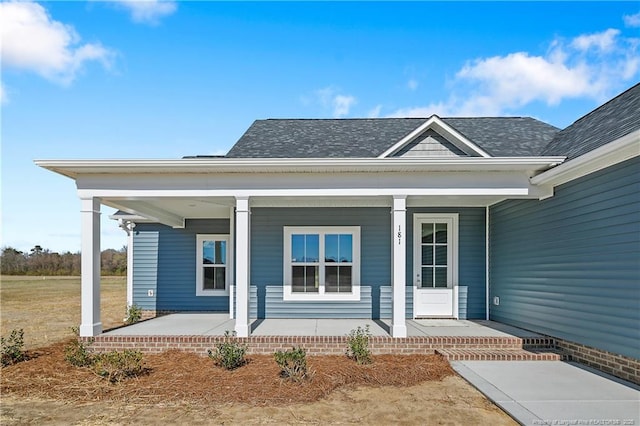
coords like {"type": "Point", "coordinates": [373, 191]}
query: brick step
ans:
{"type": "Point", "coordinates": [479, 354]}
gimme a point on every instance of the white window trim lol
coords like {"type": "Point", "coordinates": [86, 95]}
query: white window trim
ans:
{"type": "Point", "coordinates": [321, 295]}
{"type": "Point", "coordinates": [199, 265]}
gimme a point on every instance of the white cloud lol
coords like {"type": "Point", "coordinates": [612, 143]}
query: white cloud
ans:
{"type": "Point", "coordinates": [604, 41]}
{"type": "Point", "coordinates": [32, 41]}
{"type": "Point", "coordinates": [148, 11]}
{"type": "Point", "coordinates": [588, 66]}
{"type": "Point", "coordinates": [632, 21]}
{"type": "Point", "coordinates": [375, 112]}
{"type": "Point", "coordinates": [412, 84]}
{"type": "Point", "coordinates": [340, 104]}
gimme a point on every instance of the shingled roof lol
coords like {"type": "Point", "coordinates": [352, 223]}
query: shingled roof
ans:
{"type": "Point", "coordinates": [370, 137]}
{"type": "Point", "coordinates": [613, 120]}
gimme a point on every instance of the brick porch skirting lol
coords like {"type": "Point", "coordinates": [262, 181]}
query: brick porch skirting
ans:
{"type": "Point", "coordinates": [314, 345]}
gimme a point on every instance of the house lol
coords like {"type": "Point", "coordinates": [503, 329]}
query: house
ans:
{"type": "Point", "coordinates": [504, 218]}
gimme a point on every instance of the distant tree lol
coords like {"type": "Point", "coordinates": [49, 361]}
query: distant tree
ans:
{"type": "Point", "coordinates": [41, 261]}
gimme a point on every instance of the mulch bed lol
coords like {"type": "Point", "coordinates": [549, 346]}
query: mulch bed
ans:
{"type": "Point", "coordinates": [179, 377]}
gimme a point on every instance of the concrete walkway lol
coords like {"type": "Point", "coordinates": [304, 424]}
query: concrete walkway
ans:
{"type": "Point", "coordinates": [554, 392]}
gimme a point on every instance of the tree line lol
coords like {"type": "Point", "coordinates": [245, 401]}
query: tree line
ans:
{"type": "Point", "coordinates": [39, 261]}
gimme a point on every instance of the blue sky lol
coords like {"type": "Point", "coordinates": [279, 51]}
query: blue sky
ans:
{"type": "Point", "coordinates": [167, 79]}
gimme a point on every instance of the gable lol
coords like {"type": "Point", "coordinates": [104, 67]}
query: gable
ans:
{"type": "Point", "coordinates": [430, 144]}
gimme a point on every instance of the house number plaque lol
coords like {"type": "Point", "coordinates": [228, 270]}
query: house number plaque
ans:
{"type": "Point", "coordinates": [399, 235]}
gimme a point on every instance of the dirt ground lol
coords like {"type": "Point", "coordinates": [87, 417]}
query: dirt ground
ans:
{"type": "Point", "coordinates": [183, 388]}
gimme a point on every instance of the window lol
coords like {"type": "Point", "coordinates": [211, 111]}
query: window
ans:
{"type": "Point", "coordinates": [322, 263]}
{"type": "Point", "coordinates": [211, 265]}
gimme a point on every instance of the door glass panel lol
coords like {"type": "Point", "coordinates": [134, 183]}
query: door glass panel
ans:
{"type": "Point", "coordinates": [441, 232]}
{"type": "Point", "coordinates": [427, 278]}
{"type": "Point", "coordinates": [427, 255]}
{"type": "Point", "coordinates": [441, 255]}
{"type": "Point", "coordinates": [427, 233]}
{"type": "Point", "coordinates": [441, 278]}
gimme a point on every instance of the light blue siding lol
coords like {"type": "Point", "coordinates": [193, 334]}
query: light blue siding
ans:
{"type": "Point", "coordinates": [569, 266]}
{"type": "Point", "coordinates": [167, 257]}
{"type": "Point", "coordinates": [471, 258]}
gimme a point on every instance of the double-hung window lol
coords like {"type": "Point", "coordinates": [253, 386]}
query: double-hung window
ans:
{"type": "Point", "coordinates": [322, 263]}
{"type": "Point", "coordinates": [212, 260]}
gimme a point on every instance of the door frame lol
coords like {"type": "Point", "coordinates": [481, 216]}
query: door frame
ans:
{"type": "Point", "coordinates": [418, 219]}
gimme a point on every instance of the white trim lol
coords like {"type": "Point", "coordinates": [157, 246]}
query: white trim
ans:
{"type": "Point", "coordinates": [75, 168]}
{"type": "Point", "coordinates": [130, 265]}
{"type": "Point", "coordinates": [242, 265]}
{"type": "Point", "coordinates": [289, 295]}
{"type": "Point", "coordinates": [200, 238]}
{"type": "Point", "coordinates": [605, 156]}
{"type": "Point", "coordinates": [232, 255]}
{"type": "Point", "coordinates": [399, 266]}
{"type": "Point", "coordinates": [436, 123]}
{"type": "Point", "coordinates": [90, 324]}
{"type": "Point", "coordinates": [452, 252]}
{"type": "Point", "coordinates": [486, 262]}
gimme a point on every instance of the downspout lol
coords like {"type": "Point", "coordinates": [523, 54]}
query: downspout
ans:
{"type": "Point", "coordinates": [486, 262]}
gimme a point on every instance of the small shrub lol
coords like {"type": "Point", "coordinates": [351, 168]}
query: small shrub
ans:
{"type": "Point", "coordinates": [293, 364]}
{"type": "Point", "coordinates": [358, 345]}
{"type": "Point", "coordinates": [76, 352]}
{"type": "Point", "coordinates": [116, 366]}
{"type": "Point", "coordinates": [229, 353]}
{"type": "Point", "coordinates": [13, 348]}
{"type": "Point", "coordinates": [134, 314]}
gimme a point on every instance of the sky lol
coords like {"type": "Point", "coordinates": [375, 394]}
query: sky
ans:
{"type": "Point", "coordinates": [165, 79]}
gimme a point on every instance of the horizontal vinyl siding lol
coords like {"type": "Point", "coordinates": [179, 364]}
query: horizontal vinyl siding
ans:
{"type": "Point", "coordinates": [569, 266]}
{"type": "Point", "coordinates": [471, 259]}
{"type": "Point", "coordinates": [267, 273]}
{"type": "Point", "coordinates": [175, 267]}
{"type": "Point", "coordinates": [145, 267]}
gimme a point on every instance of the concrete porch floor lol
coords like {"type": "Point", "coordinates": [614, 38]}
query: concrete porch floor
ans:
{"type": "Point", "coordinates": [212, 324]}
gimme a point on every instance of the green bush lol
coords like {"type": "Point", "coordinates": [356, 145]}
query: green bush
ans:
{"type": "Point", "coordinates": [134, 314]}
{"type": "Point", "coordinates": [229, 353]}
{"type": "Point", "coordinates": [76, 352]}
{"type": "Point", "coordinates": [13, 348]}
{"type": "Point", "coordinates": [358, 345]}
{"type": "Point", "coordinates": [293, 364]}
{"type": "Point", "coordinates": [116, 366]}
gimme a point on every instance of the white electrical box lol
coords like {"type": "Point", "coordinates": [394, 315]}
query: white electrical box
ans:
{"type": "Point", "coordinates": [150, 293]}
{"type": "Point", "coordinates": [496, 300]}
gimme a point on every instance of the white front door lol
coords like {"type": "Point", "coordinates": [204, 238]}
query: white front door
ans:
{"type": "Point", "coordinates": [435, 269]}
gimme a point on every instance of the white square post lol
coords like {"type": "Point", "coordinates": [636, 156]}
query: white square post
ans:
{"type": "Point", "coordinates": [242, 267]}
{"type": "Point", "coordinates": [90, 324]}
{"type": "Point", "coordinates": [399, 265]}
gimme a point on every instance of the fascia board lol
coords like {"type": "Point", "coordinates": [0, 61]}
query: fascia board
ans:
{"type": "Point", "coordinates": [605, 156]}
{"type": "Point", "coordinates": [436, 122]}
{"type": "Point", "coordinates": [75, 168]}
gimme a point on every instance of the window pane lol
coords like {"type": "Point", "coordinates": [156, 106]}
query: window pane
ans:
{"type": "Point", "coordinates": [331, 248]}
{"type": "Point", "coordinates": [427, 255]}
{"type": "Point", "coordinates": [214, 252]}
{"type": "Point", "coordinates": [427, 278]}
{"type": "Point", "coordinates": [331, 279]}
{"type": "Point", "coordinates": [427, 232]}
{"type": "Point", "coordinates": [346, 248]}
{"type": "Point", "coordinates": [441, 232]}
{"type": "Point", "coordinates": [312, 248]}
{"type": "Point", "coordinates": [441, 277]}
{"type": "Point", "coordinates": [304, 279]}
{"type": "Point", "coordinates": [441, 255]}
{"type": "Point", "coordinates": [338, 279]}
{"type": "Point", "coordinates": [208, 282]}
{"type": "Point", "coordinates": [220, 282]}
{"type": "Point", "coordinates": [297, 248]}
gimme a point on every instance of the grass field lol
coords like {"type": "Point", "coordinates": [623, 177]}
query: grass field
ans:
{"type": "Point", "coordinates": [47, 307]}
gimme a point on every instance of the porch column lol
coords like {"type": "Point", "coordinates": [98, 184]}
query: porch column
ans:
{"type": "Point", "coordinates": [90, 324]}
{"type": "Point", "coordinates": [399, 264]}
{"type": "Point", "coordinates": [242, 267]}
